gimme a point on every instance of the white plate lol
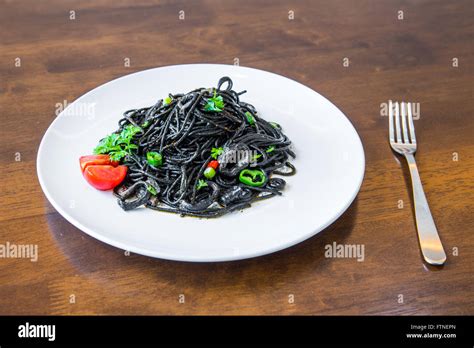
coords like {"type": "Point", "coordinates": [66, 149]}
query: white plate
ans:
{"type": "Point", "coordinates": [330, 167]}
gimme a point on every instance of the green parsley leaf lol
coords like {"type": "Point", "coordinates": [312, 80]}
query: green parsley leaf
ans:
{"type": "Point", "coordinates": [216, 103]}
{"type": "Point", "coordinates": [152, 190]}
{"type": "Point", "coordinates": [118, 145]}
{"type": "Point", "coordinates": [128, 132]}
{"type": "Point", "coordinates": [118, 155]}
{"type": "Point", "coordinates": [201, 183]}
{"type": "Point", "coordinates": [270, 149]}
{"type": "Point", "coordinates": [215, 152]}
{"type": "Point", "coordinates": [106, 145]}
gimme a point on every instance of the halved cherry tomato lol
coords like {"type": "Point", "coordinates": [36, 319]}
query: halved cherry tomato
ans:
{"type": "Point", "coordinates": [105, 177]}
{"type": "Point", "coordinates": [213, 164]}
{"type": "Point", "coordinates": [95, 159]}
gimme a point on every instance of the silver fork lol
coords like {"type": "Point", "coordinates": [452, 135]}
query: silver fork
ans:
{"type": "Point", "coordinates": [430, 244]}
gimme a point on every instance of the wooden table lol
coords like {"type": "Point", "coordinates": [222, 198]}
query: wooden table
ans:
{"type": "Point", "coordinates": [61, 58]}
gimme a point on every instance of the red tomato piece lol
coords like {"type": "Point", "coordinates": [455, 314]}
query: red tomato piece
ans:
{"type": "Point", "coordinates": [105, 177]}
{"type": "Point", "coordinates": [95, 159]}
{"type": "Point", "coordinates": [213, 164]}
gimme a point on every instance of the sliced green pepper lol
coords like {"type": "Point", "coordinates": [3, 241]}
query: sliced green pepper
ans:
{"type": "Point", "coordinates": [275, 125]}
{"type": "Point", "coordinates": [253, 178]}
{"type": "Point", "coordinates": [250, 118]}
{"type": "Point", "coordinates": [167, 100]}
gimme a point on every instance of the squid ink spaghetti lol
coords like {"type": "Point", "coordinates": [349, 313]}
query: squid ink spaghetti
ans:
{"type": "Point", "coordinates": [204, 153]}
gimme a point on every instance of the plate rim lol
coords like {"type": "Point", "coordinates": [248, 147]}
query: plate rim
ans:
{"type": "Point", "coordinates": [174, 256]}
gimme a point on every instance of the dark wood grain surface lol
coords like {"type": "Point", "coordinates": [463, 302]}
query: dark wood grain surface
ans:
{"type": "Point", "coordinates": [389, 58]}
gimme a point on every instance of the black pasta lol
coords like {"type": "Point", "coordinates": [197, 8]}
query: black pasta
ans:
{"type": "Point", "coordinates": [190, 134]}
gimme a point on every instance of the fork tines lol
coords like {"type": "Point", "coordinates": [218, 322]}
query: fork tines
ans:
{"type": "Point", "coordinates": [403, 124]}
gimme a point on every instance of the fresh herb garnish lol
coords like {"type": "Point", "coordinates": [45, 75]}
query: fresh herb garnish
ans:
{"type": "Point", "coordinates": [152, 190]}
{"type": "Point", "coordinates": [118, 155]}
{"type": "Point", "coordinates": [145, 124]}
{"type": "Point", "coordinates": [201, 183]}
{"type": "Point", "coordinates": [118, 145]}
{"type": "Point", "coordinates": [215, 152]}
{"type": "Point", "coordinates": [154, 158]}
{"type": "Point", "coordinates": [216, 103]}
{"type": "Point", "coordinates": [250, 118]}
{"type": "Point", "coordinates": [270, 149]}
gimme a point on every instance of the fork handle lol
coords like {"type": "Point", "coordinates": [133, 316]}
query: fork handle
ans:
{"type": "Point", "coordinates": [430, 244]}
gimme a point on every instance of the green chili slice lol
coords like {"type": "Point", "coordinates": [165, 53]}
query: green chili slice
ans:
{"type": "Point", "coordinates": [253, 178]}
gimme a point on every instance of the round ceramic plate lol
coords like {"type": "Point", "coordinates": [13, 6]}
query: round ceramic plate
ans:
{"type": "Point", "coordinates": [330, 167]}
